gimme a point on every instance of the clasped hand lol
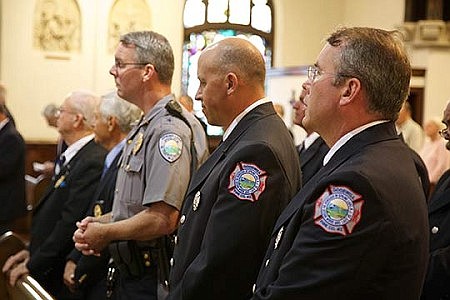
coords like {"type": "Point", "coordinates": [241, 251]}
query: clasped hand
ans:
{"type": "Point", "coordinates": [89, 237]}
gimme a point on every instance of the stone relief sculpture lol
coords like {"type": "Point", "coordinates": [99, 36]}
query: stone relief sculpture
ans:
{"type": "Point", "coordinates": [57, 26]}
{"type": "Point", "coordinates": [125, 16]}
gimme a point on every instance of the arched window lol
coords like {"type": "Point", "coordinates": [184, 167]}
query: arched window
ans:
{"type": "Point", "coordinates": [207, 21]}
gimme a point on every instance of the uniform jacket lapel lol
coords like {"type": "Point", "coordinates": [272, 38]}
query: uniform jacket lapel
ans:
{"type": "Point", "coordinates": [440, 197]}
{"type": "Point", "coordinates": [309, 153]}
{"type": "Point", "coordinates": [65, 171]}
{"type": "Point", "coordinates": [245, 124]}
{"type": "Point", "coordinates": [354, 145]}
{"type": "Point", "coordinates": [105, 181]}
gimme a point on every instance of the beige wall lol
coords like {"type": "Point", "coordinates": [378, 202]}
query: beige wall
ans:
{"type": "Point", "coordinates": [300, 27]}
{"type": "Point", "coordinates": [34, 80]}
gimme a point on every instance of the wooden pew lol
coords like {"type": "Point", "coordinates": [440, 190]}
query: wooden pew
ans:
{"type": "Point", "coordinates": [26, 288]}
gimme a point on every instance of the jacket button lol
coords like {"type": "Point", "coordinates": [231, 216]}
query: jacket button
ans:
{"type": "Point", "coordinates": [171, 262]}
{"type": "Point", "coordinates": [434, 230]}
{"type": "Point", "coordinates": [183, 217]}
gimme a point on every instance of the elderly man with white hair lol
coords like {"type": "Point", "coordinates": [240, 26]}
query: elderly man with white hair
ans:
{"type": "Point", "coordinates": [66, 200]}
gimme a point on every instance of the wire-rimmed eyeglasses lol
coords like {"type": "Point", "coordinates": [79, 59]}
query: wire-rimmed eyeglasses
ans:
{"type": "Point", "coordinates": [444, 133]}
{"type": "Point", "coordinates": [314, 73]}
{"type": "Point", "coordinates": [120, 65]}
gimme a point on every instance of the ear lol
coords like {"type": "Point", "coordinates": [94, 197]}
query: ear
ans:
{"type": "Point", "coordinates": [149, 72]}
{"type": "Point", "coordinates": [231, 82]}
{"type": "Point", "coordinates": [350, 89]}
{"type": "Point", "coordinates": [111, 123]}
{"type": "Point", "coordinates": [78, 119]}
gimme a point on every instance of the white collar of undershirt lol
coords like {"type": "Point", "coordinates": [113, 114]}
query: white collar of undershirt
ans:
{"type": "Point", "coordinates": [3, 123]}
{"type": "Point", "coordinates": [73, 149]}
{"type": "Point", "coordinates": [239, 117]}
{"type": "Point", "coordinates": [310, 139]}
{"type": "Point", "coordinates": [341, 142]}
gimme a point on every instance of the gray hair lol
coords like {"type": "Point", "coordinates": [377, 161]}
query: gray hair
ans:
{"type": "Point", "coordinates": [379, 60]}
{"type": "Point", "coordinates": [84, 103]}
{"type": "Point", "coordinates": [50, 110]}
{"type": "Point", "coordinates": [124, 112]}
{"type": "Point", "coordinates": [152, 48]}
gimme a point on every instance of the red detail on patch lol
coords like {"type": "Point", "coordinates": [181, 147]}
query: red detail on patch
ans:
{"type": "Point", "coordinates": [247, 181]}
{"type": "Point", "coordinates": [330, 218]}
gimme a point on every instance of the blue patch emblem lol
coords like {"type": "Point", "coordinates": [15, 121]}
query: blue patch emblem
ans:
{"type": "Point", "coordinates": [247, 181]}
{"type": "Point", "coordinates": [170, 146]}
{"type": "Point", "coordinates": [338, 210]}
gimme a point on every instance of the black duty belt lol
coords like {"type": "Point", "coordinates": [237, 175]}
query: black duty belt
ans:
{"type": "Point", "coordinates": [131, 260]}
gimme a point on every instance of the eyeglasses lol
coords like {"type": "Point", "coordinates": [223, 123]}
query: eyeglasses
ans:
{"type": "Point", "coordinates": [62, 109]}
{"type": "Point", "coordinates": [120, 65]}
{"type": "Point", "coordinates": [444, 133]}
{"type": "Point", "coordinates": [314, 73]}
{"type": "Point", "coordinates": [67, 111]}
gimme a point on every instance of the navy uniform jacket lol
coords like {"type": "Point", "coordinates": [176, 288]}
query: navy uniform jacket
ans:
{"type": "Point", "coordinates": [311, 159]}
{"type": "Point", "coordinates": [437, 283]}
{"type": "Point", "coordinates": [63, 204]}
{"type": "Point", "coordinates": [92, 269]}
{"type": "Point", "coordinates": [12, 173]}
{"type": "Point", "coordinates": [230, 209]}
{"type": "Point", "coordinates": [356, 230]}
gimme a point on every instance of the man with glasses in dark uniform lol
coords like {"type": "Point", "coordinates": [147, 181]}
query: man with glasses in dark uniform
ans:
{"type": "Point", "coordinates": [358, 230]}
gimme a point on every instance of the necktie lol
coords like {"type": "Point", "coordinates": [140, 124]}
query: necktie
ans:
{"type": "Point", "coordinates": [105, 169]}
{"type": "Point", "coordinates": [59, 163]}
{"type": "Point", "coordinates": [301, 148]}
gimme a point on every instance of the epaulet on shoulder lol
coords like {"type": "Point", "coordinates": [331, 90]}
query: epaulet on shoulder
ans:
{"type": "Point", "coordinates": [174, 108]}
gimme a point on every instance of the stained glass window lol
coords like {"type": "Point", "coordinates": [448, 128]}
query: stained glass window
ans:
{"type": "Point", "coordinates": [207, 21]}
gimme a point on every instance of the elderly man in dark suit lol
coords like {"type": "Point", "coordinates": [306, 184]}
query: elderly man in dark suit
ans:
{"type": "Point", "coordinates": [359, 231]}
{"type": "Point", "coordinates": [66, 199]}
{"type": "Point", "coordinates": [12, 172]}
{"type": "Point", "coordinates": [114, 118]}
{"type": "Point", "coordinates": [438, 276]}
{"type": "Point", "coordinates": [313, 148]}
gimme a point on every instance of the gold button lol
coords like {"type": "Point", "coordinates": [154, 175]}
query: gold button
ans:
{"type": "Point", "coordinates": [129, 141]}
{"type": "Point", "coordinates": [147, 263]}
{"type": "Point", "coordinates": [145, 255]}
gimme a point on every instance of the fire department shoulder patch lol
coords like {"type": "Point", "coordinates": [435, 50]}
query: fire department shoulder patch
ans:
{"type": "Point", "coordinates": [338, 210]}
{"type": "Point", "coordinates": [247, 181]}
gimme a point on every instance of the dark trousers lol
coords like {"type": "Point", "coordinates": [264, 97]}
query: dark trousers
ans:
{"type": "Point", "coordinates": [144, 287]}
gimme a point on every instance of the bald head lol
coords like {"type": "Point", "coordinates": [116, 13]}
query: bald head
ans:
{"type": "Point", "coordinates": [231, 74]}
{"type": "Point", "coordinates": [239, 56]}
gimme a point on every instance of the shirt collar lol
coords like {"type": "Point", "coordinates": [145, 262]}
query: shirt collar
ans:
{"type": "Point", "coordinates": [3, 123]}
{"type": "Point", "coordinates": [239, 117]}
{"type": "Point", "coordinates": [310, 139]}
{"type": "Point", "coordinates": [73, 149]}
{"type": "Point", "coordinates": [113, 153]}
{"type": "Point", "coordinates": [341, 142]}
